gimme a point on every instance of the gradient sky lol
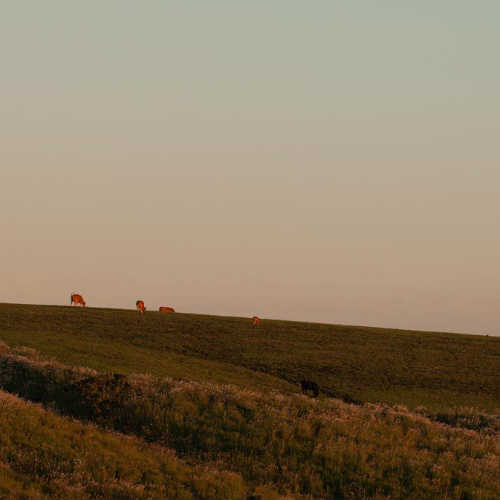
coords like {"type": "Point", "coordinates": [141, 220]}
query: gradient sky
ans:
{"type": "Point", "coordinates": [323, 161]}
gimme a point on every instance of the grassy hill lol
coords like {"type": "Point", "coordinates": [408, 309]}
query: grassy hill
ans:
{"type": "Point", "coordinates": [190, 406]}
{"type": "Point", "coordinates": [436, 370]}
{"type": "Point", "coordinates": [43, 455]}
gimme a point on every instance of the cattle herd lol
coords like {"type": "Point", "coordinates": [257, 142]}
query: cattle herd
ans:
{"type": "Point", "coordinates": [78, 300]}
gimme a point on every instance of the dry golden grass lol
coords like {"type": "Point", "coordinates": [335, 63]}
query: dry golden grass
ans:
{"type": "Point", "coordinates": [43, 455]}
{"type": "Point", "coordinates": [321, 448]}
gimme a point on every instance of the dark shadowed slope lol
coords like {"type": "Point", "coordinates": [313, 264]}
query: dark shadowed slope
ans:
{"type": "Point", "coordinates": [369, 364]}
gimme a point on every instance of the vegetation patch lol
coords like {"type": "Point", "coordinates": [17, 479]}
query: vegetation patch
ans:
{"type": "Point", "coordinates": [303, 446]}
{"type": "Point", "coordinates": [435, 370]}
{"type": "Point", "coordinates": [43, 455]}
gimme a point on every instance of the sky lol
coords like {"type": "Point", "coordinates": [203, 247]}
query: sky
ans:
{"type": "Point", "coordinates": [321, 161]}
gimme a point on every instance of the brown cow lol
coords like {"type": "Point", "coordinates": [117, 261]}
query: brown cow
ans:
{"type": "Point", "coordinates": [140, 306]}
{"type": "Point", "coordinates": [76, 299]}
{"type": "Point", "coordinates": [256, 320]}
{"type": "Point", "coordinates": [165, 309]}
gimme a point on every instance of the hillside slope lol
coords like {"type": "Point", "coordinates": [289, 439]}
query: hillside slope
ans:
{"type": "Point", "coordinates": [43, 455]}
{"type": "Point", "coordinates": [436, 370]}
{"type": "Point", "coordinates": [231, 442]}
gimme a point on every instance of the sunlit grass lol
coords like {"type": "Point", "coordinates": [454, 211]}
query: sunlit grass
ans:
{"type": "Point", "coordinates": [224, 396]}
{"type": "Point", "coordinates": [302, 446]}
{"type": "Point", "coordinates": [44, 454]}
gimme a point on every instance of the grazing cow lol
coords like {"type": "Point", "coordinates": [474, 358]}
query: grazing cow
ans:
{"type": "Point", "coordinates": [76, 299]}
{"type": "Point", "coordinates": [255, 320]}
{"type": "Point", "coordinates": [140, 306]}
{"type": "Point", "coordinates": [165, 309]}
{"type": "Point", "coordinates": [309, 385]}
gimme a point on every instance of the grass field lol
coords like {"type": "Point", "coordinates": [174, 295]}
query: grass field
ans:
{"type": "Point", "coordinates": [210, 407]}
{"type": "Point", "coordinates": [436, 370]}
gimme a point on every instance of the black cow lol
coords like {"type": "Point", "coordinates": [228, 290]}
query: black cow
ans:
{"type": "Point", "coordinates": [309, 385]}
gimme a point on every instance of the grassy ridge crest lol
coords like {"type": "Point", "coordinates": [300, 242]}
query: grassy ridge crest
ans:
{"type": "Point", "coordinates": [377, 365]}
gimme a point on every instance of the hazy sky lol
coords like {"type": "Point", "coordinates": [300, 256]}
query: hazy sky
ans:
{"type": "Point", "coordinates": [330, 161]}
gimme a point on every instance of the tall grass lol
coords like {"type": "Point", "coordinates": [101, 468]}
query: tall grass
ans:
{"type": "Point", "coordinates": [43, 455]}
{"type": "Point", "coordinates": [320, 448]}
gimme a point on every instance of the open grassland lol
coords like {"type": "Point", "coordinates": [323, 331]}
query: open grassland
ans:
{"type": "Point", "coordinates": [252, 444]}
{"type": "Point", "coordinates": [436, 370]}
{"type": "Point", "coordinates": [190, 406]}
